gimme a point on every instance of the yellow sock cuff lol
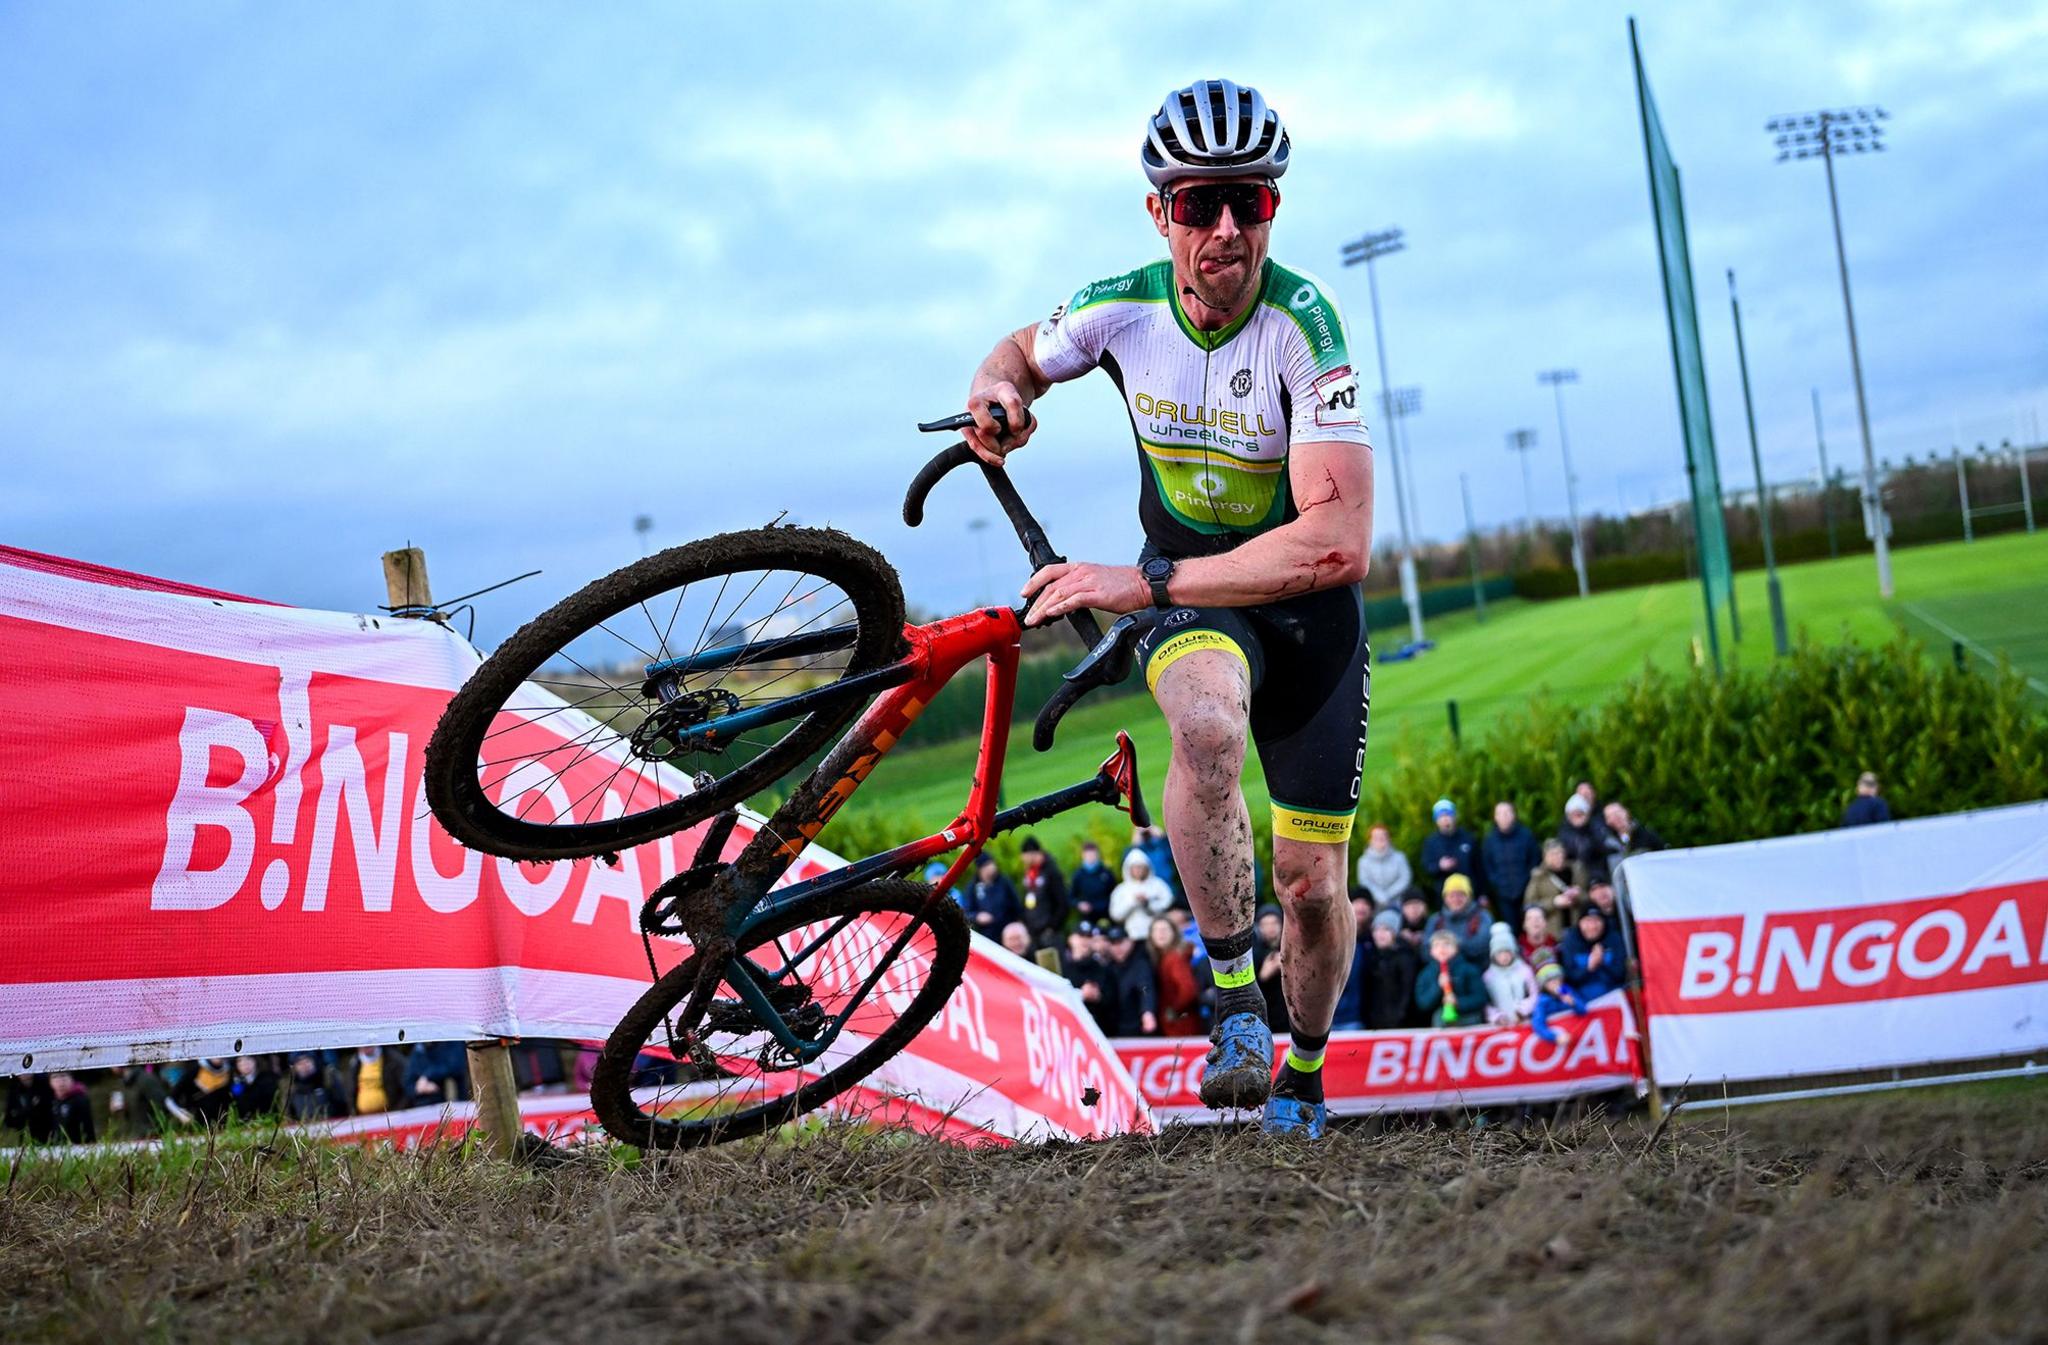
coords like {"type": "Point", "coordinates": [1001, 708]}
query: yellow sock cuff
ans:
{"type": "Point", "coordinates": [1305, 1066]}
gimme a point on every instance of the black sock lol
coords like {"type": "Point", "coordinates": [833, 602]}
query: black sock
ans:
{"type": "Point", "coordinates": [1301, 1072]}
{"type": "Point", "coordinates": [1237, 983]}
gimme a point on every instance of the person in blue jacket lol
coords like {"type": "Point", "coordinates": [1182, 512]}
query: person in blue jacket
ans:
{"type": "Point", "coordinates": [1553, 997]}
{"type": "Point", "coordinates": [1465, 1005]}
{"type": "Point", "coordinates": [991, 903]}
{"type": "Point", "coordinates": [1594, 960]}
{"type": "Point", "coordinates": [1449, 849]}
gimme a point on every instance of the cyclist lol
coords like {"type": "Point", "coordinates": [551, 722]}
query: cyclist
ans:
{"type": "Point", "coordinates": [1256, 500]}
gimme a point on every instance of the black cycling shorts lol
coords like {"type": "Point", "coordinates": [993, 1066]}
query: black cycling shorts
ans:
{"type": "Point", "coordinates": [1310, 669]}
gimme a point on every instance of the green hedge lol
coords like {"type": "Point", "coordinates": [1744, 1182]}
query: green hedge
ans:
{"type": "Point", "coordinates": [1753, 754]}
{"type": "Point", "coordinates": [1391, 613]}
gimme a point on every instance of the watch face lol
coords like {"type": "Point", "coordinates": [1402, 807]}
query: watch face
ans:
{"type": "Point", "coordinates": [1159, 567]}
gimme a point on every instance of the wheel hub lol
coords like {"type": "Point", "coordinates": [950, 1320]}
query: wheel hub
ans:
{"type": "Point", "coordinates": [673, 726]}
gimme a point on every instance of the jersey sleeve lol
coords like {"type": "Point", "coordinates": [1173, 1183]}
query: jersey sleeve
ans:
{"type": "Point", "coordinates": [1069, 342]}
{"type": "Point", "coordinates": [1322, 387]}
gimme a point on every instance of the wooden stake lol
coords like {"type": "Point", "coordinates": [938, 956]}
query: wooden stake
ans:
{"type": "Point", "coordinates": [490, 1062]}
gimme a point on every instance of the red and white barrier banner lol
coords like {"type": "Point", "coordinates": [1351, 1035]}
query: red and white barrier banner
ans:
{"type": "Point", "coordinates": [1422, 1069]}
{"type": "Point", "coordinates": [1906, 943]}
{"type": "Point", "coordinates": [218, 843]}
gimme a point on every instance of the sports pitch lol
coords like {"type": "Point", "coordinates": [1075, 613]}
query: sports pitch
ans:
{"type": "Point", "coordinates": [1992, 594]}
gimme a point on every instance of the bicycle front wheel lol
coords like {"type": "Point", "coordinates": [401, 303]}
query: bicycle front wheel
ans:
{"type": "Point", "coordinates": [583, 733]}
{"type": "Point", "coordinates": [691, 1064]}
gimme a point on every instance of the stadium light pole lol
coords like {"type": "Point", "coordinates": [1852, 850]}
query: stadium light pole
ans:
{"type": "Point", "coordinates": [1823, 135]}
{"type": "Point", "coordinates": [1368, 250]}
{"type": "Point", "coordinates": [1557, 378]}
{"type": "Point", "coordinates": [1472, 548]}
{"type": "Point", "coordinates": [1522, 441]}
{"type": "Point", "coordinates": [1827, 506]}
{"type": "Point", "coordinates": [1404, 404]}
{"type": "Point", "coordinates": [1763, 490]}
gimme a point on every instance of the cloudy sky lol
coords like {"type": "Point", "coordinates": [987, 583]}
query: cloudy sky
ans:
{"type": "Point", "coordinates": [286, 286]}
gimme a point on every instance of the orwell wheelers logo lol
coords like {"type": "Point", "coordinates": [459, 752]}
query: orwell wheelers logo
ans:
{"type": "Point", "coordinates": [1241, 383]}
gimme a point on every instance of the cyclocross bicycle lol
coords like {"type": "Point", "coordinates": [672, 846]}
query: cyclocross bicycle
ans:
{"type": "Point", "coordinates": [667, 693]}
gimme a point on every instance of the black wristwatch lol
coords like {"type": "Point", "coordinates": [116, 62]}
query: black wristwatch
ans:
{"type": "Point", "coordinates": [1157, 571]}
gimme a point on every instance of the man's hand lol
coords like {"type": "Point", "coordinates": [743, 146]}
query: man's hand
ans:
{"type": "Point", "coordinates": [989, 443]}
{"type": "Point", "coordinates": [1059, 589]}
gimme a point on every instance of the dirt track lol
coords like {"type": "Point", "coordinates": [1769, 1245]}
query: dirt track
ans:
{"type": "Point", "coordinates": [1915, 1216]}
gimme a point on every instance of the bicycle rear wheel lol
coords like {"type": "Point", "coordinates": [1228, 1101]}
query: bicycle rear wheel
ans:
{"type": "Point", "coordinates": [689, 1065]}
{"type": "Point", "coordinates": [582, 733]}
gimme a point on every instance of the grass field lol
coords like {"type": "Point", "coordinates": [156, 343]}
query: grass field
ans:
{"type": "Point", "coordinates": [1898, 1217]}
{"type": "Point", "coordinates": [1995, 591]}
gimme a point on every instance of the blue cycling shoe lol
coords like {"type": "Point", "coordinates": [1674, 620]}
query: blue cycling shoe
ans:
{"type": "Point", "coordinates": [1292, 1116]}
{"type": "Point", "coordinates": [1239, 1074]}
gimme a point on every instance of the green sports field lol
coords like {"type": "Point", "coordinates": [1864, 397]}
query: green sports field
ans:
{"type": "Point", "coordinates": [1993, 594]}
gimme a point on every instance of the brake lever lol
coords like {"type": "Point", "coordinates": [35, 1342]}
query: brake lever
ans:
{"type": "Point", "coordinates": [1108, 662]}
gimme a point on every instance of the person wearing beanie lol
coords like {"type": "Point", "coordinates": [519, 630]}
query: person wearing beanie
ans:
{"type": "Point", "coordinates": [1449, 849]}
{"type": "Point", "coordinates": [1510, 985]}
{"type": "Point", "coordinates": [1467, 921]}
{"type": "Point", "coordinates": [1392, 965]}
{"type": "Point", "coordinates": [1585, 840]}
{"type": "Point", "coordinates": [1553, 997]}
{"type": "Point", "coordinates": [1594, 959]}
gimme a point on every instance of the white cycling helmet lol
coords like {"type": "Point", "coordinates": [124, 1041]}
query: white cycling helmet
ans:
{"type": "Point", "coordinates": [1214, 128]}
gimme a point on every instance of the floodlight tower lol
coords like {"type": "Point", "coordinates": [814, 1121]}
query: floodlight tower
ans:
{"type": "Point", "coordinates": [1557, 378]}
{"type": "Point", "coordinates": [1522, 441]}
{"type": "Point", "coordinates": [1370, 249]}
{"type": "Point", "coordinates": [1823, 135]}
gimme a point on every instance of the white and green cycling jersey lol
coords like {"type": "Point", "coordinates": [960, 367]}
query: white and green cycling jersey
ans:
{"type": "Point", "coordinates": [1214, 413]}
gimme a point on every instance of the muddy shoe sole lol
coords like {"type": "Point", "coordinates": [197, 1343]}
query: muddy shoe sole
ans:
{"type": "Point", "coordinates": [1243, 1088]}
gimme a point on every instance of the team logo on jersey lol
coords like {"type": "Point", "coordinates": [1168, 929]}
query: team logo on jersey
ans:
{"type": "Point", "coordinates": [1241, 383]}
{"type": "Point", "coordinates": [1179, 616]}
{"type": "Point", "coordinates": [1304, 297]}
{"type": "Point", "coordinates": [1209, 484]}
{"type": "Point", "coordinates": [1057, 314]}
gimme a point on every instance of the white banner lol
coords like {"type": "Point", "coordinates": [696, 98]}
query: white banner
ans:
{"type": "Point", "coordinates": [1907, 943]}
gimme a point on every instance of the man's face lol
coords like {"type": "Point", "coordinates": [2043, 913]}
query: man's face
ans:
{"type": "Point", "coordinates": [1379, 839]}
{"type": "Point", "coordinates": [1221, 263]}
{"type": "Point", "coordinates": [1090, 856]}
{"type": "Point", "coordinates": [1445, 822]}
{"type": "Point", "coordinates": [1602, 896]}
{"type": "Point", "coordinates": [1098, 946]}
{"type": "Point", "coordinates": [1617, 817]}
{"type": "Point", "coordinates": [1414, 909]}
{"type": "Point", "coordinates": [1592, 927]}
{"type": "Point", "coordinates": [1269, 929]}
{"type": "Point", "coordinates": [1017, 939]}
{"type": "Point", "coordinates": [1361, 911]}
{"type": "Point", "coordinates": [1504, 816]}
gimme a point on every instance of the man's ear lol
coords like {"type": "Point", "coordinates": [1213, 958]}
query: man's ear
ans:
{"type": "Point", "coordinates": [1157, 208]}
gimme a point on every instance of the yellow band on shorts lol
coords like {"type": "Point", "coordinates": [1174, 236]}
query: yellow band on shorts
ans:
{"type": "Point", "coordinates": [1231, 980]}
{"type": "Point", "coordinates": [1306, 824]}
{"type": "Point", "coordinates": [1189, 642]}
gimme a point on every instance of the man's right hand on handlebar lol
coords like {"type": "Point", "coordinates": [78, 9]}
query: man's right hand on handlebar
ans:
{"type": "Point", "coordinates": [985, 437]}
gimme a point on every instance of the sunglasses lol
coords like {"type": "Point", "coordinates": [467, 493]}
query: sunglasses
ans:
{"type": "Point", "coordinates": [1201, 206]}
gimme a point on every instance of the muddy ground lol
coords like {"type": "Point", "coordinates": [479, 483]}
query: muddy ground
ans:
{"type": "Point", "coordinates": [1920, 1216]}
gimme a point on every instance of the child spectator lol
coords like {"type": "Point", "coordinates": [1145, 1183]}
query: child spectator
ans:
{"type": "Point", "coordinates": [1390, 984]}
{"type": "Point", "coordinates": [1508, 854]}
{"type": "Point", "coordinates": [934, 872]}
{"type": "Point", "coordinates": [1044, 895]}
{"type": "Point", "coordinates": [1553, 997]}
{"type": "Point", "coordinates": [1383, 872]}
{"type": "Point", "coordinates": [1510, 985]}
{"type": "Point", "coordinates": [1450, 988]}
{"type": "Point", "coordinates": [1180, 994]}
{"type": "Point", "coordinates": [1449, 851]}
{"type": "Point", "coordinates": [1159, 853]}
{"type": "Point", "coordinates": [1594, 962]}
{"type": "Point", "coordinates": [1140, 896]}
{"type": "Point", "coordinates": [1551, 888]}
{"type": "Point", "coordinates": [1092, 883]}
{"type": "Point", "coordinates": [1536, 935]}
